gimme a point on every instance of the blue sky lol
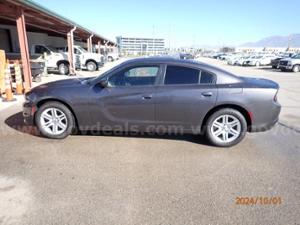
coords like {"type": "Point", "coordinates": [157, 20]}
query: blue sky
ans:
{"type": "Point", "coordinates": [184, 22]}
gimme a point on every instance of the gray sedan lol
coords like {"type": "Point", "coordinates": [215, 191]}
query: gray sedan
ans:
{"type": "Point", "coordinates": [156, 95]}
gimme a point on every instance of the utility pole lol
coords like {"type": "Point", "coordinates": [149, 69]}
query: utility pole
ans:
{"type": "Point", "coordinates": [153, 34]}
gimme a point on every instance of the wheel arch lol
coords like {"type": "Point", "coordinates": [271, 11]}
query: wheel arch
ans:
{"type": "Point", "coordinates": [239, 108]}
{"type": "Point", "coordinates": [62, 61]}
{"type": "Point", "coordinates": [43, 101]}
{"type": "Point", "coordinates": [91, 60]}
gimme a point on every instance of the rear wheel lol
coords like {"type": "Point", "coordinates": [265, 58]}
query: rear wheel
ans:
{"type": "Point", "coordinates": [55, 120]}
{"type": "Point", "coordinates": [296, 68]}
{"type": "Point", "coordinates": [226, 127]}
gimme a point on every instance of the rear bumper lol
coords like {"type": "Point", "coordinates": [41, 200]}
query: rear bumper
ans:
{"type": "Point", "coordinates": [273, 118]}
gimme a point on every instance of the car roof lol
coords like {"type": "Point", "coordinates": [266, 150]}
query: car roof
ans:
{"type": "Point", "coordinates": [172, 60]}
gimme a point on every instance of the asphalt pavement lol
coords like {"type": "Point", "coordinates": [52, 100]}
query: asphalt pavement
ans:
{"type": "Point", "coordinates": [98, 179]}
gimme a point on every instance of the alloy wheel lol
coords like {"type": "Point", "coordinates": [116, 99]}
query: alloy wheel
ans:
{"type": "Point", "coordinates": [226, 128]}
{"type": "Point", "coordinates": [53, 121]}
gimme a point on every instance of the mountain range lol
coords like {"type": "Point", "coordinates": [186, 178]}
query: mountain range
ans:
{"type": "Point", "coordinates": [276, 41]}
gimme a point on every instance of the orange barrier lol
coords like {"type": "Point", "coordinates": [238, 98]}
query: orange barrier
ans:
{"type": "Point", "coordinates": [8, 92]}
{"type": "Point", "coordinates": [19, 82]}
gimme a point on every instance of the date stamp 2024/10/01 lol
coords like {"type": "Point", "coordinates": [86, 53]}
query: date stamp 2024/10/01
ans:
{"type": "Point", "coordinates": [258, 200]}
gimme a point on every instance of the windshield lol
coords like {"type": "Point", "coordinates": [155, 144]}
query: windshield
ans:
{"type": "Point", "coordinates": [81, 49]}
{"type": "Point", "coordinates": [52, 49]}
{"type": "Point", "coordinates": [296, 56]}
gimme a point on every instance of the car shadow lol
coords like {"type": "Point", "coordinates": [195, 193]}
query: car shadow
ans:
{"type": "Point", "coordinates": [16, 122]}
{"type": "Point", "coordinates": [268, 69]}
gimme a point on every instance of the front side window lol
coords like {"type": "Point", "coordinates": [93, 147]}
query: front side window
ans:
{"type": "Point", "coordinates": [142, 75]}
{"type": "Point", "coordinates": [181, 75]}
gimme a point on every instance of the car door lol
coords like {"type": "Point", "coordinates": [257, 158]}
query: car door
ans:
{"type": "Point", "coordinates": [184, 97]}
{"type": "Point", "coordinates": [127, 103]}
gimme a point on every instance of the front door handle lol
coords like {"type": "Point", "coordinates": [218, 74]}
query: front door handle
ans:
{"type": "Point", "coordinates": [147, 97]}
{"type": "Point", "coordinates": [207, 94]}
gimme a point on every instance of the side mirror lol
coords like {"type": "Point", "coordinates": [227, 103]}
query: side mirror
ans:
{"type": "Point", "coordinates": [104, 83]}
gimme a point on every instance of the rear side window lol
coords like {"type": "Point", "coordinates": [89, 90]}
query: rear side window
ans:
{"type": "Point", "coordinates": [206, 77]}
{"type": "Point", "coordinates": [181, 75]}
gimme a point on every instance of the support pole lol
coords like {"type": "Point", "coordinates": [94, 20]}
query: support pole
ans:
{"type": "Point", "coordinates": [21, 28]}
{"type": "Point", "coordinates": [99, 44]}
{"type": "Point", "coordinates": [71, 51]}
{"type": "Point", "coordinates": [88, 45]}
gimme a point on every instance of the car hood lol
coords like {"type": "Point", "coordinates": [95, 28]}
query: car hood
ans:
{"type": "Point", "coordinates": [252, 82]}
{"type": "Point", "coordinates": [286, 59]}
{"type": "Point", "coordinates": [61, 83]}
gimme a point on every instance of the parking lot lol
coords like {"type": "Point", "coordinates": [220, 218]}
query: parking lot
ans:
{"type": "Point", "coordinates": [152, 179]}
{"type": "Point", "coordinates": [289, 93]}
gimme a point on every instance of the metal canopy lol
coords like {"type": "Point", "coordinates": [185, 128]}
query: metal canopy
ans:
{"type": "Point", "coordinates": [40, 19]}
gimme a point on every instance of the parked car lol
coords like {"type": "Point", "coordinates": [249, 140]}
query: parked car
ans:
{"type": "Point", "coordinates": [275, 61]}
{"type": "Point", "coordinates": [156, 95]}
{"type": "Point", "coordinates": [54, 59]}
{"type": "Point", "coordinates": [186, 56]}
{"type": "Point", "coordinates": [112, 56]}
{"type": "Point", "coordinates": [290, 64]}
{"type": "Point", "coordinates": [260, 60]}
{"type": "Point", "coordinates": [242, 60]}
{"type": "Point", "coordinates": [86, 60]}
{"type": "Point", "coordinates": [233, 60]}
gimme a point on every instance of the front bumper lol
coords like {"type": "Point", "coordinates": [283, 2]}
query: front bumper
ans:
{"type": "Point", "coordinates": [287, 67]}
{"type": "Point", "coordinates": [29, 110]}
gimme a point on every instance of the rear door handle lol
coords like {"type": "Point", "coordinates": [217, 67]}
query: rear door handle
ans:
{"type": "Point", "coordinates": [147, 97]}
{"type": "Point", "coordinates": [207, 94]}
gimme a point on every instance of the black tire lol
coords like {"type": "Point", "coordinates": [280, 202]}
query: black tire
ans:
{"type": "Point", "coordinates": [91, 66]}
{"type": "Point", "coordinates": [110, 59]}
{"type": "Point", "coordinates": [214, 116]}
{"type": "Point", "coordinates": [296, 68]}
{"type": "Point", "coordinates": [63, 69]}
{"type": "Point", "coordinates": [274, 67]}
{"type": "Point", "coordinates": [69, 117]}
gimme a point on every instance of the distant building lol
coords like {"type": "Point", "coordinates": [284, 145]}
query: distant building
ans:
{"type": "Point", "coordinates": [140, 46]}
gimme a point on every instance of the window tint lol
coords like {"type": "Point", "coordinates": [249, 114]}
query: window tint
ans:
{"type": "Point", "coordinates": [206, 78]}
{"type": "Point", "coordinates": [41, 49]}
{"type": "Point", "coordinates": [143, 75]}
{"type": "Point", "coordinates": [181, 75]}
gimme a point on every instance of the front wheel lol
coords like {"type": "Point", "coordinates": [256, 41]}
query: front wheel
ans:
{"type": "Point", "coordinates": [226, 127]}
{"type": "Point", "coordinates": [55, 120]}
{"type": "Point", "coordinates": [296, 68]}
{"type": "Point", "coordinates": [91, 66]}
{"type": "Point", "coordinates": [63, 69]}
